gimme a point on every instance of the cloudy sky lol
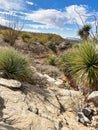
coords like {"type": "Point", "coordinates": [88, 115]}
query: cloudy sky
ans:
{"type": "Point", "coordinates": [62, 17]}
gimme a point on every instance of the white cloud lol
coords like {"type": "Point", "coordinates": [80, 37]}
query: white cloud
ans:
{"type": "Point", "coordinates": [53, 18]}
{"type": "Point", "coordinates": [31, 30]}
{"type": "Point", "coordinates": [3, 21]}
{"type": "Point", "coordinates": [39, 26]}
{"type": "Point", "coordinates": [75, 13]}
{"type": "Point", "coordinates": [49, 17]}
{"type": "Point", "coordinates": [10, 4]}
{"type": "Point", "coordinates": [29, 3]}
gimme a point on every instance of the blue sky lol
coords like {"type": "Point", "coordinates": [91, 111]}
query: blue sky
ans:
{"type": "Point", "coordinates": [50, 16]}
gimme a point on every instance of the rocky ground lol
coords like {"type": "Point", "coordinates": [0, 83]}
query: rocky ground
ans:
{"type": "Point", "coordinates": [49, 104]}
{"type": "Point", "coordinates": [48, 107]}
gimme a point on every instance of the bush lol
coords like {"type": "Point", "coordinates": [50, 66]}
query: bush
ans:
{"type": "Point", "coordinates": [10, 36]}
{"type": "Point", "coordinates": [13, 65]}
{"type": "Point", "coordinates": [52, 71]}
{"type": "Point", "coordinates": [51, 60]}
{"type": "Point", "coordinates": [52, 47]}
{"type": "Point", "coordinates": [63, 63]}
{"type": "Point", "coordinates": [25, 36]}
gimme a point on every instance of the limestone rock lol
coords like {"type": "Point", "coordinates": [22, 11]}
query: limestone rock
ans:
{"type": "Point", "coordinates": [93, 97]}
{"type": "Point", "coordinates": [50, 80]}
{"type": "Point", "coordinates": [59, 83]}
{"type": "Point", "coordinates": [17, 114]}
{"type": "Point", "coordinates": [10, 83]}
{"type": "Point", "coordinates": [34, 108]}
{"type": "Point", "coordinates": [4, 126]}
{"type": "Point", "coordinates": [70, 93]}
{"type": "Point", "coordinates": [31, 121]}
{"type": "Point", "coordinates": [83, 119]}
{"type": "Point", "coordinates": [69, 99]}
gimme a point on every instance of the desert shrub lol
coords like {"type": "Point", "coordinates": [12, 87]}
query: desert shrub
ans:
{"type": "Point", "coordinates": [13, 65]}
{"type": "Point", "coordinates": [12, 27]}
{"type": "Point", "coordinates": [10, 35]}
{"type": "Point", "coordinates": [25, 36]}
{"type": "Point", "coordinates": [51, 60]}
{"type": "Point", "coordinates": [76, 45]}
{"type": "Point", "coordinates": [65, 45]}
{"type": "Point", "coordinates": [63, 63]}
{"type": "Point", "coordinates": [39, 81]}
{"type": "Point", "coordinates": [52, 71]}
{"type": "Point", "coordinates": [82, 63]}
{"type": "Point", "coordinates": [52, 47]}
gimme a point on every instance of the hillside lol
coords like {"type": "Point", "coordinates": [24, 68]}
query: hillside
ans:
{"type": "Point", "coordinates": [38, 44]}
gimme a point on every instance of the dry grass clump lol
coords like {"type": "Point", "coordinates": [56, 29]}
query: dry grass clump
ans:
{"type": "Point", "coordinates": [52, 71]}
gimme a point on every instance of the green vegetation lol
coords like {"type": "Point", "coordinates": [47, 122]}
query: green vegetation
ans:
{"type": "Point", "coordinates": [40, 37]}
{"type": "Point", "coordinates": [10, 36]}
{"type": "Point", "coordinates": [84, 32]}
{"type": "Point", "coordinates": [52, 47]}
{"type": "Point", "coordinates": [82, 63]}
{"type": "Point", "coordinates": [13, 65]}
{"type": "Point", "coordinates": [51, 60]}
{"type": "Point", "coordinates": [25, 36]}
{"type": "Point", "coordinates": [12, 28]}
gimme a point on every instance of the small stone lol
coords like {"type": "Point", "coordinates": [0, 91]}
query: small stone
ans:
{"type": "Point", "coordinates": [83, 119]}
{"type": "Point", "coordinates": [32, 108]}
{"type": "Point", "coordinates": [87, 112]}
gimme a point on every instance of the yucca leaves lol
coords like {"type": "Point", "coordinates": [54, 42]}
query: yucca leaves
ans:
{"type": "Point", "coordinates": [14, 65]}
{"type": "Point", "coordinates": [82, 63]}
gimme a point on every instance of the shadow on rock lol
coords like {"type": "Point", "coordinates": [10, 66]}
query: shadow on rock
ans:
{"type": "Point", "coordinates": [6, 127]}
{"type": "Point", "coordinates": [1, 107]}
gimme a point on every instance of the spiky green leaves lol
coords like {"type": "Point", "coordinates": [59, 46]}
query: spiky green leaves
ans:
{"type": "Point", "coordinates": [82, 63]}
{"type": "Point", "coordinates": [13, 65]}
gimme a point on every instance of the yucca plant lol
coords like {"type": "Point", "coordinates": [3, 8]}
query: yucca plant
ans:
{"type": "Point", "coordinates": [13, 65]}
{"type": "Point", "coordinates": [84, 32]}
{"type": "Point", "coordinates": [82, 63]}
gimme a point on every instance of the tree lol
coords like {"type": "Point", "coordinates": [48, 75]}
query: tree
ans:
{"type": "Point", "coordinates": [84, 32]}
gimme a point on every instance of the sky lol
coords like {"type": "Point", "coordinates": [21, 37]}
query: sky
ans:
{"type": "Point", "coordinates": [63, 17]}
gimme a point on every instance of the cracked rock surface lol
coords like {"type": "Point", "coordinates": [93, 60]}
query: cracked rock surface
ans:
{"type": "Point", "coordinates": [34, 108]}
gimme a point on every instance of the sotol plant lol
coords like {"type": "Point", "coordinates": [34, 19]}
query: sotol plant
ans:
{"type": "Point", "coordinates": [13, 65]}
{"type": "Point", "coordinates": [82, 64]}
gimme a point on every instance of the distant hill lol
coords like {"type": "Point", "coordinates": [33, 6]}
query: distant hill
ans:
{"type": "Point", "coordinates": [73, 40]}
{"type": "Point", "coordinates": [3, 27]}
{"type": "Point", "coordinates": [41, 37]}
{"type": "Point", "coordinates": [39, 42]}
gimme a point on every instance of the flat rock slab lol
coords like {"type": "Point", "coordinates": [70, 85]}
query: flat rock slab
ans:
{"type": "Point", "coordinates": [10, 83]}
